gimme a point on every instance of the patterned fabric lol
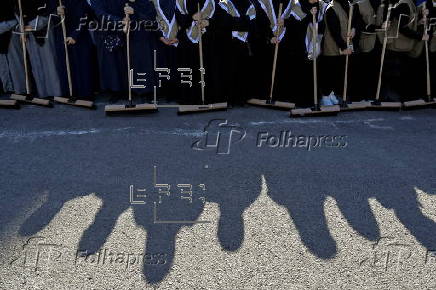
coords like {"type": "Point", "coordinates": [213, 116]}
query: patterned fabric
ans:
{"type": "Point", "coordinates": [231, 9]}
{"type": "Point", "coordinates": [167, 24]}
{"type": "Point", "coordinates": [207, 12]}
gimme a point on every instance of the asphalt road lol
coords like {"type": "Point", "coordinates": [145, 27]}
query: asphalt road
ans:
{"type": "Point", "coordinates": [260, 209]}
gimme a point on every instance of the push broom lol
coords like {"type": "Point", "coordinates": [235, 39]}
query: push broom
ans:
{"type": "Point", "coordinates": [71, 100]}
{"type": "Point", "coordinates": [428, 101]}
{"type": "Point", "coordinates": [130, 107]}
{"type": "Point", "coordinates": [184, 109]}
{"type": "Point", "coordinates": [346, 104]}
{"type": "Point", "coordinates": [27, 98]}
{"type": "Point", "coordinates": [316, 110]}
{"type": "Point", "coordinates": [377, 104]}
{"type": "Point", "coordinates": [270, 102]}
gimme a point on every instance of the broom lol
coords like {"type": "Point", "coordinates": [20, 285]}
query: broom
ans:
{"type": "Point", "coordinates": [347, 105]}
{"type": "Point", "coordinates": [201, 108]}
{"type": "Point", "coordinates": [71, 100]}
{"type": "Point", "coordinates": [316, 110]}
{"type": "Point", "coordinates": [377, 105]}
{"type": "Point", "coordinates": [130, 107]}
{"type": "Point", "coordinates": [270, 102]}
{"type": "Point", "coordinates": [27, 98]}
{"type": "Point", "coordinates": [427, 101]}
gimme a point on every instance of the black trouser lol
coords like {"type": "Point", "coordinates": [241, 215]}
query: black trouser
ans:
{"type": "Point", "coordinates": [295, 80]}
{"type": "Point", "coordinates": [367, 69]}
{"type": "Point", "coordinates": [332, 74]}
{"type": "Point", "coordinates": [398, 76]}
{"type": "Point", "coordinates": [262, 68]}
{"type": "Point", "coordinates": [433, 73]}
{"type": "Point", "coordinates": [241, 80]}
{"type": "Point", "coordinates": [418, 76]}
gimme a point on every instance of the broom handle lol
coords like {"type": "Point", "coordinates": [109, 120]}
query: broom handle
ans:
{"type": "Point", "coordinates": [67, 57]}
{"type": "Point", "coordinates": [24, 48]}
{"type": "Point", "coordinates": [200, 52]}
{"type": "Point", "coordinates": [276, 52]}
{"type": "Point", "coordinates": [350, 18]}
{"type": "Point", "coordinates": [427, 58]}
{"type": "Point", "coordinates": [385, 42]}
{"type": "Point", "coordinates": [315, 74]}
{"type": "Point", "coordinates": [127, 30]}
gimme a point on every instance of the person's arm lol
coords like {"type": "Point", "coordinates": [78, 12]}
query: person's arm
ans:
{"type": "Point", "coordinates": [358, 24]}
{"type": "Point", "coordinates": [334, 26]}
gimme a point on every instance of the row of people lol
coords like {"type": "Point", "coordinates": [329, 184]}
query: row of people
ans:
{"type": "Point", "coordinates": [238, 38]}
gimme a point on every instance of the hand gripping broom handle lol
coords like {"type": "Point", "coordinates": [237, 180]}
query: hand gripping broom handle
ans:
{"type": "Point", "coordinates": [23, 46]}
{"type": "Point", "coordinates": [385, 42]}
{"type": "Point", "coordinates": [350, 19]}
{"type": "Point", "coordinates": [276, 51]}
{"type": "Point", "coordinates": [67, 56]}
{"type": "Point", "coordinates": [314, 56]}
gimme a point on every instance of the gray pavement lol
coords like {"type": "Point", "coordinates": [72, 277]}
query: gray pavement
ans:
{"type": "Point", "coordinates": [160, 201]}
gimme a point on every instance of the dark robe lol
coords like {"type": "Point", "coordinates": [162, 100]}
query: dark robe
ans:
{"type": "Point", "coordinates": [41, 44]}
{"type": "Point", "coordinates": [295, 72]}
{"type": "Point", "coordinates": [166, 54]}
{"type": "Point", "coordinates": [262, 49]}
{"type": "Point", "coordinates": [7, 23]}
{"type": "Point", "coordinates": [216, 45]}
{"type": "Point", "coordinates": [81, 54]}
{"type": "Point", "coordinates": [242, 66]}
{"type": "Point", "coordinates": [111, 45]}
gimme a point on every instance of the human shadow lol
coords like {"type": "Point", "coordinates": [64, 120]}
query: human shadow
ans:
{"type": "Point", "coordinates": [213, 180]}
{"type": "Point", "coordinates": [352, 179]}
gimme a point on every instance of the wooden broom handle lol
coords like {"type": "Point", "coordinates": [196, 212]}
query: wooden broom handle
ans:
{"type": "Point", "coordinates": [385, 42]}
{"type": "Point", "coordinates": [276, 52]}
{"type": "Point", "coordinates": [427, 57]}
{"type": "Point", "coordinates": [127, 31]}
{"type": "Point", "coordinates": [200, 53]}
{"type": "Point", "coordinates": [350, 19]}
{"type": "Point", "coordinates": [67, 56]}
{"type": "Point", "coordinates": [24, 48]}
{"type": "Point", "coordinates": [315, 72]}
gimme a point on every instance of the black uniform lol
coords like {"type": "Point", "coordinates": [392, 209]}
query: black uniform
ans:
{"type": "Point", "coordinates": [216, 45]}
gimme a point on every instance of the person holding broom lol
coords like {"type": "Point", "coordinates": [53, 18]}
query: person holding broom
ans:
{"type": "Point", "coordinates": [403, 32]}
{"type": "Point", "coordinates": [335, 48]}
{"type": "Point", "coordinates": [81, 49]}
{"type": "Point", "coordinates": [40, 42]}
{"type": "Point", "coordinates": [215, 25]}
{"type": "Point", "coordinates": [370, 47]}
{"type": "Point", "coordinates": [297, 49]}
{"type": "Point", "coordinates": [7, 24]}
{"type": "Point", "coordinates": [111, 46]}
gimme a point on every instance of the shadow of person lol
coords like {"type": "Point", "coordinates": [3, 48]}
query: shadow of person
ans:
{"type": "Point", "coordinates": [351, 180]}
{"type": "Point", "coordinates": [212, 179]}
